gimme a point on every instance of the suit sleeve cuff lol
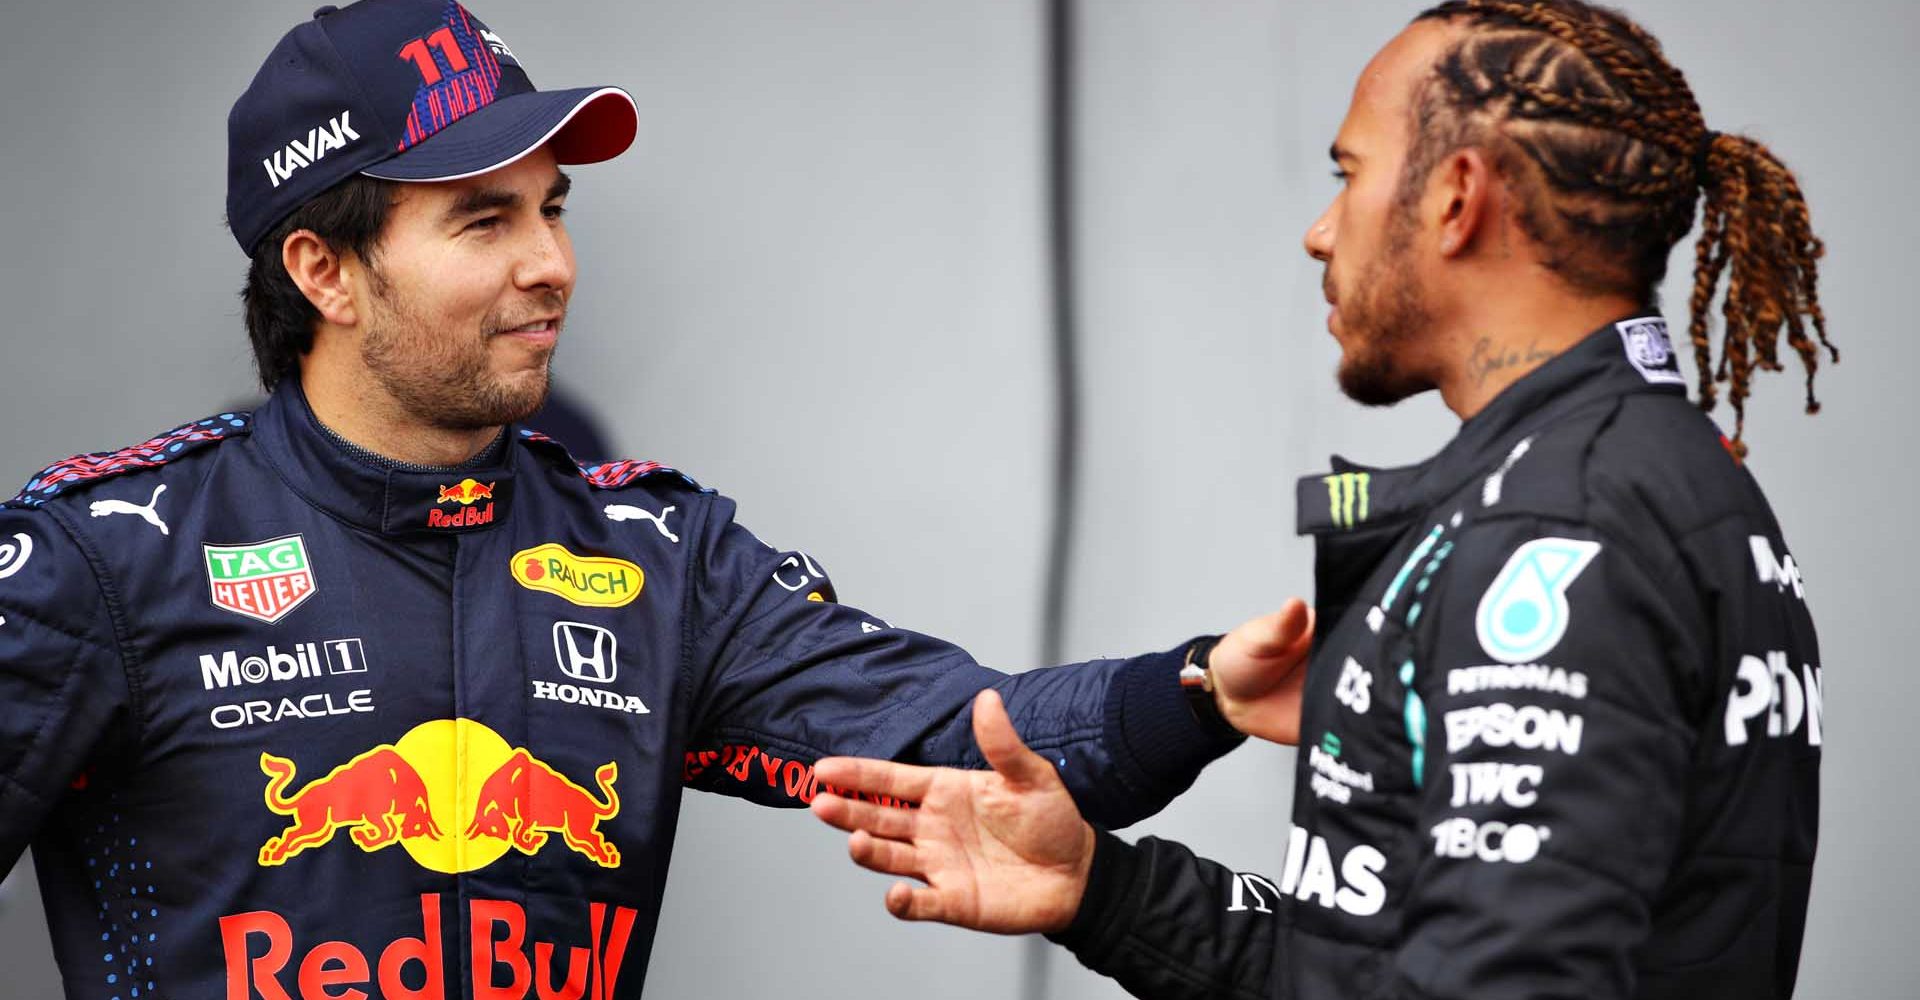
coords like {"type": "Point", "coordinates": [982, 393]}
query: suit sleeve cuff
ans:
{"type": "Point", "coordinates": [1158, 738]}
{"type": "Point", "coordinates": [1101, 919]}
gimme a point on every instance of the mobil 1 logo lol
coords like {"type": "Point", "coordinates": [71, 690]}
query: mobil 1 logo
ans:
{"type": "Point", "coordinates": [236, 668]}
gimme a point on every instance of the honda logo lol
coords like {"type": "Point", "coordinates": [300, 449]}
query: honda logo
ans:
{"type": "Point", "coordinates": [585, 652]}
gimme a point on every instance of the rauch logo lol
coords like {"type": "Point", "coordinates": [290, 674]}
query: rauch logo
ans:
{"type": "Point", "coordinates": [589, 581]}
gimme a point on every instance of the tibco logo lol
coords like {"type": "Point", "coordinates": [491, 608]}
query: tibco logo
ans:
{"type": "Point", "coordinates": [1462, 839]}
{"type": "Point", "coordinates": [231, 669]}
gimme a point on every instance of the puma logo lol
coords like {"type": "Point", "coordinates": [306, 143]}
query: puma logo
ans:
{"type": "Point", "coordinates": [105, 508]}
{"type": "Point", "coordinates": [623, 512]}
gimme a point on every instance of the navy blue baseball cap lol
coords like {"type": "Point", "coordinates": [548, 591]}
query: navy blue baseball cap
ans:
{"type": "Point", "coordinates": [408, 90]}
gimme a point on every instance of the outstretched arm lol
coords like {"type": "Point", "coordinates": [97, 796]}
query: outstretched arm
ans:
{"type": "Point", "coordinates": [1006, 850]}
{"type": "Point", "coordinates": [1003, 851]}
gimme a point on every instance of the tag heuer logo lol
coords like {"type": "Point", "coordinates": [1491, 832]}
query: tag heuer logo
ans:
{"type": "Point", "coordinates": [262, 580]}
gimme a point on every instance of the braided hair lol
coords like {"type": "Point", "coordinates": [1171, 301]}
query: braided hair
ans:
{"type": "Point", "coordinates": [1580, 101]}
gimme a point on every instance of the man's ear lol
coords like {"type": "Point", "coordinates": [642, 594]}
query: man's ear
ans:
{"type": "Point", "coordinates": [1464, 183]}
{"type": "Point", "coordinates": [321, 276]}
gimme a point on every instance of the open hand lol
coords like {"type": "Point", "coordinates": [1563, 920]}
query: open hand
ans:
{"type": "Point", "coordinates": [1004, 850]}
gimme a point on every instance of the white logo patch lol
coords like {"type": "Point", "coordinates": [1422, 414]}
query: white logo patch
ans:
{"type": "Point", "coordinates": [1524, 612]}
{"type": "Point", "coordinates": [1528, 727]}
{"type": "Point", "coordinates": [149, 513]}
{"type": "Point", "coordinates": [231, 668]}
{"type": "Point", "coordinates": [1483, 783]}
{"type": "Point", "coordinates": [1650, 350]}
{"type": "Point", "coordinates": [802, 568]}
{"type": "Point", "coordinates": [1517, 677]}
{"type": "Point", "coordinates": [1490, 491]}
{"type": "Point", "coordinates": [1334, 780]}
{"type": "Point", "coordinates": [15, 554]}
{"type": "Point", "coordinates": [1355, 687]}
{"type": "Point", "coordinates": [1309, 875]}
{"type": "Point", "coordinates": [335, 134]}
{"type": "Point", "coordinates": [1772, 690]}
{"type": "Point", "coordinates": [1782, 572]}
{"type": "Point", "coordinates": [585, 652]}
{"type": "Point", "coordinates": [627, 512]}
{"type": "Point", "coordinates": [1461, 838]}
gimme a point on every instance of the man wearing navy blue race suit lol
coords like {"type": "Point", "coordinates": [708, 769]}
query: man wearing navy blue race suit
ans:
{"type": "Point", "coordinates": [1562, 724]}
{"type": "Point", "coordinates": [372, 693]}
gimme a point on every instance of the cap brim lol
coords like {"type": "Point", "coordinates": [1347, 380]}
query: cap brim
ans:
{"type": "Point", "coordinates": [583, 125]}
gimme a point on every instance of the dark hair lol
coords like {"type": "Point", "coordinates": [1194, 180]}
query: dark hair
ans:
{"type": "Point", "coordinates": [349, 217]}
{"type": "Point", "coordinates": [1578, 103]}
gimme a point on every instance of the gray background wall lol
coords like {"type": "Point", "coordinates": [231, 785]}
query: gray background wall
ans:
{"type": "Point", "coordinates": [827, 249]}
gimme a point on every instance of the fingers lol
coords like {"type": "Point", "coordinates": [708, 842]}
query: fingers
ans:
{"type": "Point", "coordinates": [993, 731]}
{"type": "Point", "coordinates": [889, 857]}
{"type": "Point", "coordinates": [911, 902]}
{"type": "Point", "coordinates": [1282, 634]}
{"type": "Point", "coordinates": [875, 777]}
{"type": "Point", "coordinates": [850, 815]}
{"type": "Point", "coordinates": [1296, 623]}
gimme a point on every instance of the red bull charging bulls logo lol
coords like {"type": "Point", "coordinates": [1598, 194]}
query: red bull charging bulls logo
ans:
{"type": "Point", "coordinates": [465, 493]}
{"type": "Point", "coordinates": [502, 797]}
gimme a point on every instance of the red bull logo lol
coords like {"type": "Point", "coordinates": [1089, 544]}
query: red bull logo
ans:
{"type": "Point", "coordinates": [398, 793]}
{"type": "Point", "coordinates": [377, 795]}
{"type": "Point", "coordinates": [525, 799]}
{"type": "Point", "coordinates": [466, 492]}
{"type": "Point", "coordinates": [504, 964]}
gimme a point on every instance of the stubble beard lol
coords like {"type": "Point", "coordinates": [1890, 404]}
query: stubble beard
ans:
{"type": "Point", "coordinates": [1384, 313]}
{"type": "Point", "coordinates": [440, 376]}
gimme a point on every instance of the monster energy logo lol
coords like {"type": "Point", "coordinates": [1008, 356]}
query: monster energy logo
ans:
{"type": "Point", "coordinates": [1347, 497]}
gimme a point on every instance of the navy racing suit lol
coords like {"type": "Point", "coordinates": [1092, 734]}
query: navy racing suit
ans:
{"type": "Point", "coordinates": [1560, 735]}
{"type": "Point", "coordinates": [282, 720]}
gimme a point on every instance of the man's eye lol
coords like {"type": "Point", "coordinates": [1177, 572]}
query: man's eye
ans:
{"type": "Point", "coordinates": [554, 212]}
{"type": "Point", "coordinates": [484, 223]}
{"type": "Point", "coordinates": [1342, 176]}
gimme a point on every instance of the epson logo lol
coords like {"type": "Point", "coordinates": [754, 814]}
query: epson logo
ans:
{"type": "Point", "coordinates": [1528, 727]}
{"type": "Point", "coordinates": [335, 134]}
{"type": "Point", "coordinates": [303, 659]}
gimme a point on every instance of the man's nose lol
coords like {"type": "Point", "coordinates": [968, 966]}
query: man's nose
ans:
{"type": "Point", "coordinates": [1319, 238]}
{"type": "Point", "coordinates": [548, 262]}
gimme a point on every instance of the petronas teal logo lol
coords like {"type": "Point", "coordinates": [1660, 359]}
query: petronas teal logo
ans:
{"type": "Point", "coordinates": [1524, 612]}
{"type": "Point", "coordinates": [1347, 497]}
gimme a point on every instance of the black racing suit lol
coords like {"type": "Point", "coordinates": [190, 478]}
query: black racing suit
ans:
{"type": "Point", "coordinates": [1561, 732]}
